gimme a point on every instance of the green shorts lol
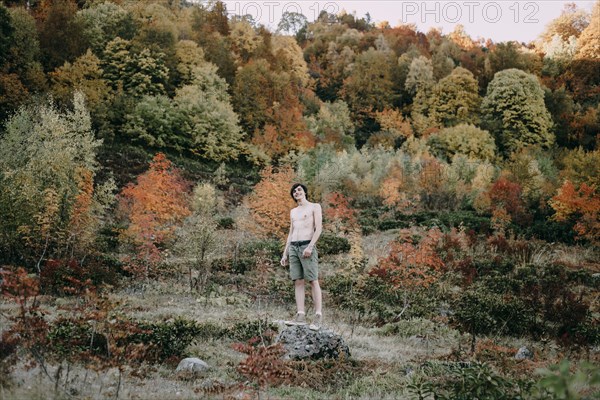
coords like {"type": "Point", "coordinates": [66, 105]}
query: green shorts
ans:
{"type": "Point", "coordinates": [303, 268]}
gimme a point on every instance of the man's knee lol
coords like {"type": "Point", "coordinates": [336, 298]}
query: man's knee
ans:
{"type": "Point", "coordinates": [299, 282]}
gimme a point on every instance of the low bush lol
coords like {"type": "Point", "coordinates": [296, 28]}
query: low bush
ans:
{"type": "Point", "coordinates": [329, 244]}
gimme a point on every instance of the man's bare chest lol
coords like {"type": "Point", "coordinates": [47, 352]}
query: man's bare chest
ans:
{"type": "Point", "coordinates": [303, 215]}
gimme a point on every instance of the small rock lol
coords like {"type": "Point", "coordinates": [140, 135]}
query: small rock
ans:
{"type": "Point", "coordinates": [524, 354]}
{"type": "Point", "coordinates": [192, 365]}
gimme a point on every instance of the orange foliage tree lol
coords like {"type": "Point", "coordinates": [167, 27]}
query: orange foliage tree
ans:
{"type": "Point", "coordinates": [270, 202]}
{"type": "Point", "coordinates": [583, 204]}
{"type": "Point", "coordinates": [410, 264]}
{"type": "Point", "coordinates": [338, 213]}
{"type": "Point", "coordinates": [81, 223]}
{"type": "Point", "coordinates": [397, 189]}
{"type": "Point", "coordinates": [505, 202]}
{"type": "Point", "coordinates": [154, 206]}
{"type": "Point", "coordinates": [286, 130]}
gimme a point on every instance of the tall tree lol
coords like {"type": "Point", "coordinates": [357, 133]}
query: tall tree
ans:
{"type": "Point", "coordinates": [514, 111]}
{"type": "Point", "coordinates": [24, 56]}
{"type": "Point", "coordinates": [136, 72]}
{"type": "Point", "coordinates": [103, 22]}
{"type": "Point", "coordinates": [61, 34]}
{"type": "Point", "coordinates": [6, 35]}
{"type": "Point", "coordinates": [589, 40]}
{"type": "Point", "coordinates": [46, 156]}
{"type": "Point", "coordinates": [153, 206]}
{"type": "Point", "coordinates": [455, 99]}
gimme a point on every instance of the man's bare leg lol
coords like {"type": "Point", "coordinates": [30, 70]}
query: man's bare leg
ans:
{"type": "Point", "coordinates": [299, 292]}
{"type": "Point", "coordinates": [316, 296]}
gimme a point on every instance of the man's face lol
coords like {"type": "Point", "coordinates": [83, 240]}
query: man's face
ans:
{"type": "Point", "coordinates": [299, 193]}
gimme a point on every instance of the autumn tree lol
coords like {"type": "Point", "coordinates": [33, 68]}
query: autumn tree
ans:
{"type": "Point", "coordinates": [369, 87]}
{"type": "Point", "coordinates": [505, 203]}
{"type": "Point", "coordinates": [412, 264]}
{"type": "Point", "coordinates": [270, 201]}
{"type": "Point", "coordinates": [153, 206]}
{"type": "Point", "coordinates": [589, 40]}
{"type": "Point", "coordinates": [394, 129]}
{"type": "Point", "coordinates": [61, 34]}
{"type": "Point", "coordinates": [399, 187]}
{"type": "Point", "coordinates": [581, 205]}
{"type": "Point", "coordinates": [338, 213]}
{"type": "Point", "coordinates": [570, 23]}
{"type": "Point", "coordinates": [47, 163]}
{"type": "Point", "coordinates": [85, 75]}
{"type": "Point", "coordinates": [515, 113]}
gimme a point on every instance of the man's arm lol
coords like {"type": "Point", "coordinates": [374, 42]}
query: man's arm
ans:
{"type": "Point", "coordinates": [318, 219]}
{"type": "Point", "coordinates": [284, 258]}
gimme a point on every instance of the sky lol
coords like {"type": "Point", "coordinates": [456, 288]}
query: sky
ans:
{"type": "Point", "coordinates": [498, 20]}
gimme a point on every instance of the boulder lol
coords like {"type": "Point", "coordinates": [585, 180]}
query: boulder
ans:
{"type": "Point", "coordinates": [524, 354]}
{"type": "Point", "coordinates": [301, 343]}
{"type": "Point", "coordinates": [191, 364]}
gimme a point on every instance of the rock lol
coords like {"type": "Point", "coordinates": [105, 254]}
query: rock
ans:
{"type": "Point", "coordinates": [301, 343]}
{"type": "Point", "coordinates": [192, 365]}
{"type": "Point", "coordinates": [524, 354]}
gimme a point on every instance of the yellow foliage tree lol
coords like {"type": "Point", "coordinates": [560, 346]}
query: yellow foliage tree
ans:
{"type": "Point", "coordinates": [270, 202]}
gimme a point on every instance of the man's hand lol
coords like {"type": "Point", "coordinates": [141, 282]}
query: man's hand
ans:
{"type": "Point", "coordinates": [307, 252]}
{"type": "Point", "coordinates": [284, 261]}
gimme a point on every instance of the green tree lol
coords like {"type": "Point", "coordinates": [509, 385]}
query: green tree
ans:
{"type": "Point", "coordinates": [420, 76]}
{"type": "Point", "coordinates": [455, 99]}
{"type": "Point", "coordinates": [463, 139]}
{"type": "Point", "coordinates": [24, 56]}
{"type": "Point", "coordinates": [104, 22]}
{"type": "Point", "coordinates": [333, 124]}
{"type": "Point", "coordinates": [507, 55]}
{"type": "Point", "coordinates": [199, 119]}
{"type": "Point", "coordinates": [514, 111]}
{"type": "Point", "coordinates": [136, 72]}
{"type": "Point", "coordinates": [369, 87]}
{"type": "Point", "coordinates": [6, 35]}
{"type": "Point", "coordinates": [291, 23]}
{"type": "Point", "coordinates": [253, 94]}
{"type": "Point", "coordinates": [46, 157]}
{"type": "Point", "coordinates": [85, 75]}
{"type": "Point", "coordinates": [214, 129]}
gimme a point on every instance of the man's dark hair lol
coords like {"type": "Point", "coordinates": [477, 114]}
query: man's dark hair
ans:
{"type": "Point", "coordinates": [294, 186]}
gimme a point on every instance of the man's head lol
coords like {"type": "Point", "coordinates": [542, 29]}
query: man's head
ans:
{"type": "Point", "coordinates": [297, 188]}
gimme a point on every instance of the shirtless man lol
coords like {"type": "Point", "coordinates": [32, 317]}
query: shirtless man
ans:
{"type": "Point", "coordinates": [301, 255]}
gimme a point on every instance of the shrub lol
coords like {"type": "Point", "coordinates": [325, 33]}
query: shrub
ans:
{"type": "Point", "coordinates": [329, 244]}
{"type": "Point", "coordinates": [481, 311]}
{"type": "Point", "coordinates": [246, 330]}
{"type": "Point", "coordinates": [465, 382]}
{"type": "Point", "coordinates": [226, 223]}
{"type": "Point", "coordinates": [170, 338]}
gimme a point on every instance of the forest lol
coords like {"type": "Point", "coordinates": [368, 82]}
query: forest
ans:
{"type": "Point", "coordinates": [147, 150]}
